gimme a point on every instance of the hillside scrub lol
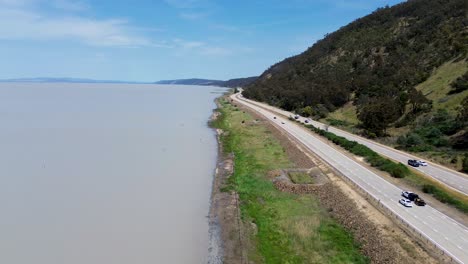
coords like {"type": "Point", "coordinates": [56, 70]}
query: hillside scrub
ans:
{"type": "Point", "coordinates": [460, 84]}
{"type": "Point", "coordinates": [431, 131]}
{"type": "Point", "coordinates": [376, 62]}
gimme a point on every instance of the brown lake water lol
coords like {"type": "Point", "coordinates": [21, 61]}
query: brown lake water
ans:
{"type": "Point", "coordinates": [105, 173]}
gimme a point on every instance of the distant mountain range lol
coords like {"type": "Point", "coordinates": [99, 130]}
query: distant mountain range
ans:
{"type": "Point", "coordinates": [64, 80]}
{"type": "Point", "coordinates": [239, 82]}
{"type": "Point", "coordinates": [193, 81]}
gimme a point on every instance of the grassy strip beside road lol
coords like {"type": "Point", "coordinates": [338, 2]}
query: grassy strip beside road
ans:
{"type": "Point", "coordinates": [290, 228]}
{"type": "Point", "coordinates": [398, 170]}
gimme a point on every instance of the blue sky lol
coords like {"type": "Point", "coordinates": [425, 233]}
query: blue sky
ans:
{"type": "Point", "coordinates": [145, 40]}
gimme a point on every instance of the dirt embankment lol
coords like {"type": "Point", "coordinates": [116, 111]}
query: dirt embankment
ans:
{"type": "Point", "coordinates": [226, 243]}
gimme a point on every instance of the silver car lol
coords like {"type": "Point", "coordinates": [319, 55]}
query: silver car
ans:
{"type": "Point", "coordinates": [406, 202]}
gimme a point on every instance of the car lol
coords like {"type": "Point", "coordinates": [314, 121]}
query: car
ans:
{"type": "Point", "coordinates": [413, 163]}
{"type": "Point", "coordinates": [422, 163]}
{"type": "Point", "coordinates": [296, 117]}
{"type": "Point", "coordinates": [306, 121]}
{"type": "Point", "coordinates": [405, 202]}
{"type": "Point", "coordinates": [274, 117]}
{"type": "Point", "coordinates": [419, 202]}
{"type": "Point", "coordinates": [282, 122]}
{"type": "Point", "coordinates": [409, 195]}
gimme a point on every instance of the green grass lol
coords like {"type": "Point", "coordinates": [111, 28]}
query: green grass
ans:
{"type": "Point", "coordinates": [347, 114]}
{"type": "Point", "coordinates": [290, 228]}
{"type": "Point", "coordinates": [300, 177]}
{"type": "Point", "coordinates": [437, 86]}
{"type": "Point", "coordinates": [399, 170]}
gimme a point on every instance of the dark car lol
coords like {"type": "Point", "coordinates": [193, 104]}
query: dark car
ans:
{"type": "Point", "coordinates": [419, 202]}
{"type": "Point", "coordinates": [413, 163]}
{"type": "Point", "coordinates": [410, 195]}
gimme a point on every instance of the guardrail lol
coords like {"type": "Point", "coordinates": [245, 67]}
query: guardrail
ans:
{"type": "Point", "coordinates": [402, 221]}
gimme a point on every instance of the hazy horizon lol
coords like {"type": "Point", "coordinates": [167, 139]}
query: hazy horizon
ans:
{"type": "Point", "coordinates": [163, 40]}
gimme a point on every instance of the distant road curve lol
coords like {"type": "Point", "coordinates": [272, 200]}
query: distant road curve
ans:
{"type": "Point", "coordinates": [445, 233]}
{"type": "Point", "coordinates": [451, 178]}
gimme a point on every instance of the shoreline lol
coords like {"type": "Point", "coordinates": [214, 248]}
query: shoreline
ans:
{"type": "Point", "coordinates": [224, 215]}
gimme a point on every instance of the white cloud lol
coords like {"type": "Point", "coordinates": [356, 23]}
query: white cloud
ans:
{"type": "Point", "coordinates": [183, 47]}
{"type": "Point", "coordinates": [23, 21]}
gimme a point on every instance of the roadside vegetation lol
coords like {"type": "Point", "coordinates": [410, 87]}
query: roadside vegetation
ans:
{"type": "Point", "coordinates": [398, 170]}
{"type": "Point", "coordinates": [288, 228]}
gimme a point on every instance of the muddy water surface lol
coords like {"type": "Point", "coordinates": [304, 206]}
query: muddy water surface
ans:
{"type": "Point", "coordinates": [105, 173]}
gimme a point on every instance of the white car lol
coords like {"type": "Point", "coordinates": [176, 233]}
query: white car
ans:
{"type": "Point", "coordinates": [409, 195]}
{"type": "Point", "coordinates": [406, 202]}
{"type": "Point", "coordinates": [405, 194]}
{"type": "Point", "coordinates": [422, 163]}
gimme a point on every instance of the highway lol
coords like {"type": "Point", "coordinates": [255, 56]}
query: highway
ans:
{"type": "Point", "coordinates": [444, 232]}
{"type": "Point", "coordinates": [453, 179]}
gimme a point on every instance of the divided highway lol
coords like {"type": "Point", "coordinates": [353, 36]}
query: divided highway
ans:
{"type": "Point", "coordinates": [444, 232]}
{"type": "Point", "coordinates": [451, 178]}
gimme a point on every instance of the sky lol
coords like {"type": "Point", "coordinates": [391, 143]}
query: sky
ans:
{"type": "Point", "coordinates": [150, 40]}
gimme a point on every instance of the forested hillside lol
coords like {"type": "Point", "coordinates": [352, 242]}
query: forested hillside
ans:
{"type": "Point", "coordinates": [374, 65]}
{"type": "Point", "coordinates": [231, 83]}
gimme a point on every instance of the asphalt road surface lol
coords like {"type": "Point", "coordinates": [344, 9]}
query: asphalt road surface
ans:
{"type": "Point", "coordinates": [444, 232]}
{"type": "Point", "coordinates": [453, 179]}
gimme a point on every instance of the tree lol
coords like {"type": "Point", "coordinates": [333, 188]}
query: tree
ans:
{"type": "Point", "coordinates": [463, 111]}
{"type": "Point", "coordinates": [377, 115]}
{"type": "Point", "coordinates": [417, 100]}
{"type": "Point", "coordinates": [308, 111]}
{"type": "Point", "coordinates": [460, 84]}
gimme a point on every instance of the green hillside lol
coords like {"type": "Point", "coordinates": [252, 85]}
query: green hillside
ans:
{"type": "Point", "coordinates": [438, 86]}
{"type": "Point", "coordinates": [384, 70]}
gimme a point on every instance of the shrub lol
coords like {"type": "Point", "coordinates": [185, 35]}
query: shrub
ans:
{"type": "Point", "coordinates": [428, 188]}
{"type": "Point", "coordinates": [402, 141]}
{"type": "Point", "coordinates": [465, 163]}
{"type": "Point", "coordinates": [421, 148]}
{"type": "Point", "coordinates": [362, 150]}
{"type": "Point", "coordinates": [413, 140]}
{"type": "Point", "coordinates": [399, 170]}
